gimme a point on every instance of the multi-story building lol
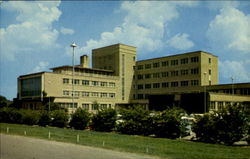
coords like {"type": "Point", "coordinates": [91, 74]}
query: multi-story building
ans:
{"type": "Point", "coordinates": [117, 79]}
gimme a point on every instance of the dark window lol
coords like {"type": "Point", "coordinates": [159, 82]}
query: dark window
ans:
{"type": "Point", "coordinates": [156, 64]}
{"type": "Point", "coordinates": [140, 86]}
{"type": "Point", "coordinates": [164, 84]}
{"type": "Point", "coordinates": [147, 86]}
{"type": "Point", "coordinates": [156, 85]}
{"type": "Point", "coordinates": [139, 77]}
{"type": "Point", "coordinates": [194, 59]}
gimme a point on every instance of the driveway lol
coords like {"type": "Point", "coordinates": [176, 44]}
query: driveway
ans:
{"type": "Point", "coordinates": [20, 147]}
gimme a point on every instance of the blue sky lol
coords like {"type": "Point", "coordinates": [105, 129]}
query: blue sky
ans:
{"type": "Point", "coordinates": [35, 36]}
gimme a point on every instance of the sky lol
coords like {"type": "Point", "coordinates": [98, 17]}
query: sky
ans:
{"type": "Point", "coordinates": [36, 35]}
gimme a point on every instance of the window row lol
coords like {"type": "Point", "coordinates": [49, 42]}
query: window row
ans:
{"type": "Point", "coordinates": [168, 84]}
{"type": "Point", "coordinates": [86, 106]}
{"type": "Point", "coordinates": [88, 82]}
{"type": "Point", "coordinates": [88, 94]}
{"type": "Point", "coordinates": [193, 71]}
{"type": "Point", "coordinates": [166, 63]}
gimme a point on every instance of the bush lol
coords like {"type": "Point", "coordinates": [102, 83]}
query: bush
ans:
{"type": "Point", "coordinates": [169, 124]}
{"type": "Point", "coordinates": [30, 117]}
{"type": "Point", "coordinates": [225, 126]}
{"type": "Point", "coordinates": [80, 119]}
{"type": "Point", "coordinates": [59, 118]}
{"type": "Point", "coordinates": [10, 115]}
{"type": "Point", "coordinates": [45, 118]}
{"type": "Point", "coordinates": [104, 120]}
{"type": "Point", "coordinates": [136, 121]}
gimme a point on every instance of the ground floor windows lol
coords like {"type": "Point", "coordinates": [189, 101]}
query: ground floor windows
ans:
{"type": "Point", "coordinates": [68, 105]}
{"type": "Point", "coordinates": [89, 94]}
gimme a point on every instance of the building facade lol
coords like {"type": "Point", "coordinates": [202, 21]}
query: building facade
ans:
{"type": "Point", "coordinates": [117, 79]}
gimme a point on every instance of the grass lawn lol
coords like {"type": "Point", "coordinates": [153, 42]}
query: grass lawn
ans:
{"type": "Point", "coordinates": [164, 148]}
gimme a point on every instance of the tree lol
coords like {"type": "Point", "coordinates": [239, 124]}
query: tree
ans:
{"type": "Point", "coordinates": [224, 126]}
{"type": "Point", "coordinates": [80, 119]}
{"type": "Point", "coordinates": [59, 118]}
{"type": "Point", "coordinates": [104, 120]}
{"type": "Point", "coordinates": [169, 124]}
{"type": "Point", "coordinates": [136, 121]}
{"type": "Point", "coordinates": [45, 118]}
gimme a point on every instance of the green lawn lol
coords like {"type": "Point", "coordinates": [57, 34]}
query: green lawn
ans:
{"type": "Point", "coordinates": [164, 148]}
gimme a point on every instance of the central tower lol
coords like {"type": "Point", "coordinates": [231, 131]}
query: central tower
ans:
{"type": "Point", "coordinates": [121, 59]}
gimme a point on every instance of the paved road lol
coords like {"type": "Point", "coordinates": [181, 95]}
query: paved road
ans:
{"type": "Point", "coordinates": [19, 147]}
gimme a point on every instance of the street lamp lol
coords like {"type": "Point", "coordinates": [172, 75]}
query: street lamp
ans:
{"type": "Point", "coordinates": [232, 85]}
{"type": "Point", "coordinates": [205, 102]}
{"type": "Point", "coordinates": [73, 45]}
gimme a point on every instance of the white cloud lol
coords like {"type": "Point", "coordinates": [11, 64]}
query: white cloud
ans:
{"type": "Point", "coordinates": [66, 31]}
{"type": "Point", "coordinates": [33, 29]}
{"type": "Point", "coordinates": [42, 66]}
{"type": "Point", "coordinates": [144, 25]}
{"type": "Point", "coordinates": [239, 70]}
{"type": "Point", "coordinates": [230, 31]}
{"type": "Point", "coordinates": [180, 41]}
{"type": "Point", "coordinates": [215, 5]}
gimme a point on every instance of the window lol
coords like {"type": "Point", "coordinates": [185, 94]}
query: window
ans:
{"type": "Point", "coordinates": [210, 71]}
{"type": "Point", "coordinates": [94, 94]}
{"type": "Point", "coordinates": [76, 93]}
{"type": "Point", "coordinates": [139, 77]}
{"type": "Point", "coordinates": [76, 81]}
{"type": "Point", "coordinates": [156, 64]}
{"type": "Point", "coordinates": [112, 95]}
{"type": "Point", "coordinates": [85, 82]}
{"type": "Point", "coordinates": [174, 62]}
{"type": "Point", "coordinates": [164, 63]}
{"type": "Point", "coordinates": [212, 105]}
{"type": "Point", "coordinates": [164, 85]}
{"type": "Point", "coordinates": [156, 75]}
{"type": "Point", "coordinates": [174, 84]}
{"type": "Point", "coordinates": [140, 86]}
{"type": "Point", "coordinates": [65, 81]}
{"type": "Point", "coordinates": [147, 76]}
{"type": "Point", "coordinates": [85, 94]}
{"type": "Point", "coordinates": [194, 71]}
{"type": "Point", "coordinates": [140, 96]}
{"type": "Point", "coordinates": [195, 59]}
{"type": "Point", "coordinates": [66, 93]}
{"type": "Point", "coordinates": [184, 72]}
{"type": "Point", "coordinates": [174, 73]}
{"type": "Point", "coordinates": [220, 105]}
{"type": "Point", "coordinates": [104, 95]}
{"type": "Point", "coordinates": [140, 67]}
{"type": "Point", "coordinates": [95, 106]}
{"type": "Point", "coordinates": [156, 85]}
{"type": "Point", "coordinates": [209, 60]}
{"type": "Point", "coordinates": [184, 83]}
{"type": "Point", "coordinates": [184, 61]}
{"type": "Point", "coordinates": [111, 84]}
{"type": "Point", "coordinates": [95, 83]}
{"type": "Point", "coordinates": [147, 66]}
{"type": "Point", "coordinates": [194, 82]}
{"type": "Point", "coordinates": [104, 84]}
{"type": "Point", "coordinates": [85, 106]}
{"type": "Point", "coordinates": [164, 74]}
{"type": "Point", "coordinates": [147, 86]}
{"type": "Point", "coordinates": [104, 106]}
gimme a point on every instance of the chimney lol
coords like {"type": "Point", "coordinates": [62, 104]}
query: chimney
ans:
{"type": "Point", "coordinates": [85, 61]}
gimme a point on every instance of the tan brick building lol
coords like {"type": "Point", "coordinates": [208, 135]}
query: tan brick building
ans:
{"type": "Point", "coordinates": [116, 79]}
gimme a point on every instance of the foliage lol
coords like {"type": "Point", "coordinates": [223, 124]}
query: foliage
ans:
{"type": "Point", "coordinates": [135, 121]}
{"type": "Point", "coordinates": [45, 118]}
{"type": "Point", "coordinates": [30, 117]}
{"type": "Point", "coordinates": [59, 118]}
{"type": "Point", "coordinates": [104, 120]}
{"type": "Point", "coordinates": [10, 115]}
{"type": "Point", "coordinates": [79, 119]}
{"type": "Point", "coordinates": [224, 126]}
{"type": "Point", "coordinates": [4, 102]}
{"type": "Point", "coordinates": [169, 124]}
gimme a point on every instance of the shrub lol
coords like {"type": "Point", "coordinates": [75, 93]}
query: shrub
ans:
{"type": "Point", "coordinates": [225, 126]}
{"type": "Point", "coordinates": [136, 121]}
{"type": "Point", "coordinates": [79, 119]}
{"type": "Point", "coordinates": [30, 117]}
{"type": "Point", "coordinates": [10, 115]}
{"type": "Point", "coordinates": [104, 120]}
{"type": "Point", "coordinates": [45, 118]}
{"type": "Point", "coordinates": [59, 118]}
{"type": "Point", "coordinates": [169, 124]}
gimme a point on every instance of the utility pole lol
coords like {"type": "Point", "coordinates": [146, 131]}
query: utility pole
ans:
{"type": "Point", "coordinates": [232, 85]}
{"type": "Point", "coordinates": [73, 45]}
